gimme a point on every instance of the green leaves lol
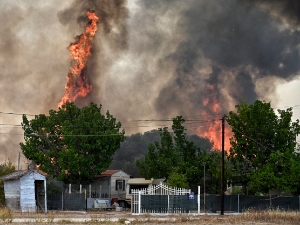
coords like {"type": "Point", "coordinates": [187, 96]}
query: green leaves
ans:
{"type": "Point", "coordinates": [72, 144]}
{"type": "Point", "coordinates": [264, 146]}
{"type": "Point", "coordinates": [173, 151]}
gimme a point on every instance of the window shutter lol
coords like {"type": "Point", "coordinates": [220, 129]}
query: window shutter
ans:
{"type": "Point", "coordinates": [116, 185]}
{"type": "Point", "coordinates": [123, 185]}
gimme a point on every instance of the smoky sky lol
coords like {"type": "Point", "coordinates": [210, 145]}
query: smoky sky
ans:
{"type": "Point", "coordinates": [151, 59]}
{"type": "Point", "coordinates": [237, 37]}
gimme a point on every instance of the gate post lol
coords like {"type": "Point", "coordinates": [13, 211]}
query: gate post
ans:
{"type": "Point", "coordinates": [198, 198]}
{"type": "Point", "coordinates": [140, 202]}
{"type": "Point", "coordinates": [168, 203]}
{"type": "Point", "coordinates": [238, 203]}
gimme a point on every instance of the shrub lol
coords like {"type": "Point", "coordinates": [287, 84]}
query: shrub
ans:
{"type": "Point", "coordinates": [237, 191]}
{"type": "Point", "coordinates": [6, 215]}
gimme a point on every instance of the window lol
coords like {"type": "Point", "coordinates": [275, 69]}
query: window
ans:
{"type": "Point", "coordinates": [120, 185]}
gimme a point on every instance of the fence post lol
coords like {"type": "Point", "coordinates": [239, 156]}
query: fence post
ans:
{"type": "Point", "coordinates": [100, 191]}
{"type": "Point", "coordinates": [70, 188]}
{"type": "Point", "coordinates": [168, 203]}
{"type": "Point", "coordinates": [140, 202]}
{"type": "Point", "coordinates": [198, 197]}
{"type": "Point", "coordinates": [90, 190]}
{"type": "Point", "coordinates": [80, 188]}
{"type": "Point", "coordinates": [62, 201]}
{"type": "Point", "coordinates": [270, 202]}
{"type": "Point", "coordinates": [238, 203]}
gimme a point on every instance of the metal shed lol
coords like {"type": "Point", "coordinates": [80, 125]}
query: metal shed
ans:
{"type": "Point", "coordinates": [25, 191]}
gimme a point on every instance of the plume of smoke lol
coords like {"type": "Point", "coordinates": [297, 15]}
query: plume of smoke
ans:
{"type": "Point", "coordinates": [160, 59]}
{"type": "Point", "coordinates": [111, 36]}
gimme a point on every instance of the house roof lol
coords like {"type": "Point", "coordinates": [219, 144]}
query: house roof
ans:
{"type": "Point", "coordinates": [107, 173]}
{"type": "Point", "coordinates": [17, 175]}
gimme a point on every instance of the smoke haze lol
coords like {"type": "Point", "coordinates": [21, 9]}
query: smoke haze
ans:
{"type": "Point", "coordinates": [150, 59]}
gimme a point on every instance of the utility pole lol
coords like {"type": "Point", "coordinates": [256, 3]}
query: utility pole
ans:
{"type": "Point", "coordinates": [19, 162]}
{"type": "Point", "coordinates": [222, 174]}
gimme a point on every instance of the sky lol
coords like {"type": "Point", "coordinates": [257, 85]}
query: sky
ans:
{"type": "Point", "coordinates": [151, 60]}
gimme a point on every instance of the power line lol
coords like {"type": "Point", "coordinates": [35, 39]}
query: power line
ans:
{"type": "Point", "coordinates": [19, 114]}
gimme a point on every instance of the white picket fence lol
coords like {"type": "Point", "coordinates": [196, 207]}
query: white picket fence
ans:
{"type": "Point", "coordinates": [162, 190]}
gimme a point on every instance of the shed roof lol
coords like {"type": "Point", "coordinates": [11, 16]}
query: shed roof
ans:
{"type": "Point", "coordinates": [17, 175]}
{"type": "Point", "coordinates": [107, 173]}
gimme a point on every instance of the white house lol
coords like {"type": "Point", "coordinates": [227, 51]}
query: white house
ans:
{"type": "Point", "coordinates": [111, 184]}
{"type": "Point", "coordinates": [25, 191]}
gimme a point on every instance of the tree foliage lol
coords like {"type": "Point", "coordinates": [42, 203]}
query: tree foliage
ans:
{"type": "Point", "coordinates": [72, 144]}
{"type": "Point", "coordinates": [177, 180]}
{"type": "Point", "coordinates": [5, 168]}
{"type": "Point", "coordinates": [263, 151]}
{"type": "Point", "coordinates": [174, 151]}
{"type": "Point", "coordinates": [54, 186]}
{"type": "Point", "coordinates": [135, 148]}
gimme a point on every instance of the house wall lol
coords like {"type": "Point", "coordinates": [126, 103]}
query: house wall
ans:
{"type": "Point", "coordinates": [108, 189]}
{"type": "Point", "coordinates": [12, 194]}
{"type": "Point", "coordinates": [27, 191]}
{"type": "Point", "coordinates": [105, 191]}
{"type": "Point", "coordinates": [120, 194]}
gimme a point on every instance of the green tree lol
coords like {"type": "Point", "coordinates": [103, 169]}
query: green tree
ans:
{"type": "Point", "coordinates": [72, 144]}
{"type": "Point", "coordinates": [177, 180]}
{"type": "Point", "coordinates": [135, 148]}
{"type": "Point", "coordinates": [237, 191]}
{"type": "Point", "coordinates": [173, 151]}
{"type": "Point", "coordinates": [263, 149]}
{"type": "Point", "coordinates": [5, 168]}
{"type": "Point", "coordinates": [213, 171]}
{"type": "Point", "coordinates": [54, 186]}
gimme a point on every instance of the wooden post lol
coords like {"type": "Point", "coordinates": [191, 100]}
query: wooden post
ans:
{"type": "Point", "coordinates": [222, 174]}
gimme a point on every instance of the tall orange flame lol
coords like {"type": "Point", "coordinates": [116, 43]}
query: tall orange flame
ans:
{"type": "Point", "coordinates": [213, 128]}
{"type": "Point", "coordinates": [77, 83]}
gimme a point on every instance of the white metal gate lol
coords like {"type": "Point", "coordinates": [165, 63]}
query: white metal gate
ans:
{"type": "Point", "coordinates": [164, 193]}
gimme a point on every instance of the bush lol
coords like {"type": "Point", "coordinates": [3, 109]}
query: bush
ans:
{"type": "Point", "coordinates": [237, 191]}
{"type": "Point", "coordinates": [6, 215]}
{"type": "Point", "coordinates": [54, 186]}
{"type": "Point", "coordinates": [5, 169]}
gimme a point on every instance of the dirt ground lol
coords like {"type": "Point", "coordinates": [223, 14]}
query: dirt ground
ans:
{"type": "Point", "coordinates": [113, 217]}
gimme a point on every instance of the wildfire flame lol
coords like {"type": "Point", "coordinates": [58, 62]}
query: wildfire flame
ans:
{"type": "Point", "coordinates": [77, 83]}
{"type": "Point", "coordinates": [213, 128]}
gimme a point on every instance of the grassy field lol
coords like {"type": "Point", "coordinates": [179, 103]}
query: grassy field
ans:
{"type": "Point", "coordinates": [249, 217]}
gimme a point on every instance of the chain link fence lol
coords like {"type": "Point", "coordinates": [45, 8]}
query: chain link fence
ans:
{"type": "Point", "coordinates": [232, 203]}
{"type": "Point", "coordinates": [66, 201]}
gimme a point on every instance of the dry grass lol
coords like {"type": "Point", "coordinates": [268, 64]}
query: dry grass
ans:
{"type": "Point", "coordinates": [267, 216]}
{"type": "Point", "coordinates": [248, 217]}
{"type": "Point", "coordinates": [6, 215]}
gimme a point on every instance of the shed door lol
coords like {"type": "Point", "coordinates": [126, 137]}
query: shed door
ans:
{"type": "Point", "coordinates": [40, 195]}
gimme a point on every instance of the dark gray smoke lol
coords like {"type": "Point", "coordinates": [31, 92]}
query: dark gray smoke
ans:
{"type": "Point", "coordinates": [243, 43]}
